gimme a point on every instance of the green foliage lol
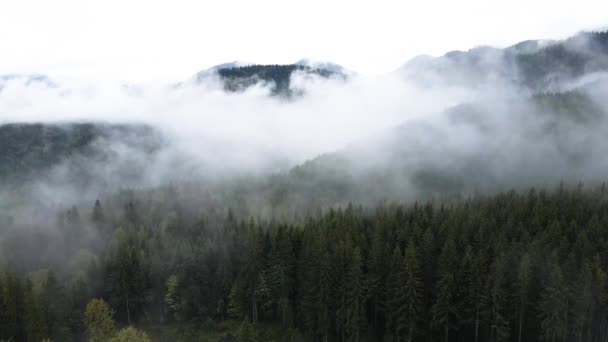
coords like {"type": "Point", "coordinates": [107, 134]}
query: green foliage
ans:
{"type": "Point", "coordinates": [171, 298]}
{"type": "Point", "coordinates": [98, 321]}
{"type": "Point", "coordinates": [29, 151]}
{"type": "Point", "coordinates": [247, 332]}
{"type": "Point", "coordinates": [241, 78]}
{"type": "Point", "coordinates": [554, 305]}
{"type": "Point", "coordinates": [130, 334]}
{"type": "Point", "coordinates": [235, 305]}
{"type": "Point", "coordinates": [36, 327]}
{"type": "Point", "coordinates": [514, 266]}
{"type": "Point", "coordinates": [11, 303]}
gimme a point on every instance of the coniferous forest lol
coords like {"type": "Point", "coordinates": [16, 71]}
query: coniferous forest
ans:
{"type": "Point", "coordinates": [515, 266]}
{"type": "Point", "coordinates": [457, 199]}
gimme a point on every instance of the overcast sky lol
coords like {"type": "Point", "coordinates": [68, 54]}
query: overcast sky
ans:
{"type": "Point", "coordinates": [133, 40]}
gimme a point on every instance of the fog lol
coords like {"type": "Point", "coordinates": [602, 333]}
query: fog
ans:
{"type": "Point", "coordinates": [403, 137]}
{"type": "Point", "coordinates": [409, 135]}
{"type": "Point", "coordinates": [238, 130]}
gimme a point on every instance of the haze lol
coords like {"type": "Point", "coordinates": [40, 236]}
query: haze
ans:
{"type": "Point", "coordinates": [161, 40]}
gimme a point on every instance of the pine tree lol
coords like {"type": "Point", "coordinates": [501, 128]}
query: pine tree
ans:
{"type": "Point", "coordinates": [377, 276]}
{"type": "Point", "coordinates": [236, 308]}
{"type": "Point", "coordinates": [499, 299]}
{"type": "Point", "coordinates": [553, 305]}
{"type": "Point", "coordinates": [247, 332]}
{"type": "Point", "coordinates": [11, 314]}
{"type": "Point", "coordinates": [98, 216]}
{"type": "Point", "coordinates": [355, 297]}
{"type": "Point", "coordinates": [475, 289]}
{"type": "Point", "coordinates": [323, 298]}
{"type": "Point", "coordinates": [55, 302]}
{"type": "Point", "coordinates": [582, 309]}
{"type": "Point", "coordinates": [445, 305]}
{"type": "Point", "coordinates": [127, 277]}
{"type": "Point", "coordinates": [36, 328]}
{"type": "Point", "coordinates": [412, 292]}
{"type": "Point", "coordinates": [172, 298]}
{"type": "Point", "coordinates": [396, 297]}
{"type": "Point", "coordinates": [280, 275]}
{"type": "Point", "coordinates": [524, 277]}
{"type": "Point", "coordinates": [428, 262]}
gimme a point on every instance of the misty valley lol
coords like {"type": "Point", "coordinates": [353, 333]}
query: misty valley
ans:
{"type": "Point", "coordinates": [459, 198]}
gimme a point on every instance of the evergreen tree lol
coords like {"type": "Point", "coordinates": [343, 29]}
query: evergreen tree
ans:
{"type": "Point", "coordinates": [356, 288]}
{"type": "Point", "coordinates": [553, 305]}
{"type": "Point", "coordinates": [36, 328]}
{"type": "Point", "coordinates": [172, 298]}
{"type": "Point", "coordinates": [236, 307]}
{"type": "Point", "coordinates": [11, 314]}
{"type": "Point", "coordinates": [475, 289]}
{"type": "Point", "coordinates": [445, 308]}
{"type": "Point", "coordinates": [396, 295]}
{"type": "Point", "coordinates": [247, 332]}
{"type": "Point", "coordinates": [500, 324]}
{"type": "Point", "coordinates": [412, 292]}
{"type": "Point", "coordinates": [98, 215]}
{"type": "Point", "coordinates": [582, 306]}
{"type": "Point", "coordinates": [524, 278]}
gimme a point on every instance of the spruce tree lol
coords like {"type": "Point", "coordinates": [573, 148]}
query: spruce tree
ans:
{"type": "Point", "coordinates": [444, 308]}
{"type": "Point", "coordinates": [356, 288]}
{"type": "Point", "coordinates": [553, 305]}
{"type": "Point", "coordinates": [412, 292]}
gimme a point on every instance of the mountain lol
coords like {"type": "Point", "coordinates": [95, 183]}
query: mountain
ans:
{"type": "Point", "coordinates": [201, 75]}
{"type": "Point", "coordinates": [325, 65]}
{"type": "Point", "coordinates": [26, 80]}
{"type": "Point", "coordinates": [239, 76]}
{"type": "Point", "coordinates": [77, 151]}
{"type": "Point", "coordinates": [391, 166]}
{"type": "Point", "coordinates": [536, 65]}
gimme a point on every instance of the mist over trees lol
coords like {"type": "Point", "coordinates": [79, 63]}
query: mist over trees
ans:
{"type": "Point", "coordinates": [508, 267]}
{"type": "Point", "coordinates": [482, 218]}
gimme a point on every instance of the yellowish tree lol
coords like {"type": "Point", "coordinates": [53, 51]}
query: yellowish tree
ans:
{"type": "Point", "coordinates": [98, 320]}
{"type": "Point", "coordinates": [130, 334]}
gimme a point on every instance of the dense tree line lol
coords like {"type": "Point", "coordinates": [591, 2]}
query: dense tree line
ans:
{"type": "Point", "coordinates": [511, 267]}
{"type": "Point", "coordinates": [241, 78]}
{"type": "Point", "coordinates": [29, 151]}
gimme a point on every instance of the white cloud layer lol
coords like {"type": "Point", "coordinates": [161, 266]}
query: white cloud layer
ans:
{"type": "Point", "coordinates": [162, 40]}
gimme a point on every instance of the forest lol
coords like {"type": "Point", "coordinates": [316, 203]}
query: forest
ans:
{"type": "Point", "coordinates": [241, 78]}
{"type": "Point", "coordinates": [475, 212]}
{"type": "Point", "coordinates": [515, 266]}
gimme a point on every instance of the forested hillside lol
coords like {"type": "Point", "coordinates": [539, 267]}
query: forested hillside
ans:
{"type": "Point", "coordinates": [30, 151]}
{"type": "Point", "coordinates": [510, 267]}
{"type": "Point", "coordinates": [536, 65]}
{"type": "Point", "coordinates": [475, 210]}
{"type": "Point", "coordinates": [278, 77]}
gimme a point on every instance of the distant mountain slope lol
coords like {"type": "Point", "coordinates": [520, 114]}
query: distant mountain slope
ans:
{"type": "Point", "coordinates": [325, 65]}
{"type": "Point", "coordinates": [559, 138]}
{"type": "Point", "coordinates": [34, 151]}
{"type": "Point", "coordinates": [237, 77]}
{"type": "Point", "coordinates": [201, 75]}
{"type": "Point", "coordinates": [26, 79]}
{"type": "Point", "coordinates": [536, 65]}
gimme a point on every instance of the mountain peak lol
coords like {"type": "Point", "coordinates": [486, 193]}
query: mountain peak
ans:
{"type": "Point", "coordinates": [214, 69]}
{"type": "Point", "coordinates": [325, 65]}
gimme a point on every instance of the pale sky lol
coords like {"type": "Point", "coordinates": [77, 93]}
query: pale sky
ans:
{"type": "Point", "coordinates": [133, 40]}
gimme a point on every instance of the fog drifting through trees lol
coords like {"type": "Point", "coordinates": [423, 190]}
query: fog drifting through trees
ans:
{"type": "Point", "coordinates": [298, 204]}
